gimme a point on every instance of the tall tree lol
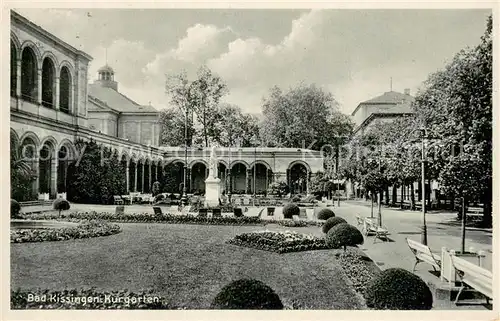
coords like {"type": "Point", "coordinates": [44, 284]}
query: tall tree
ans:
{"type": "Point", "coordinates": [199, 99]}
{"type": "Point", "coordinates": [305, 116]}
{"type": "Point", "coordinates": [204, 96]}
{"type": "Point", "coordinates": [456, 107]}
{"type": "Point", "coordinates": [173, 123]}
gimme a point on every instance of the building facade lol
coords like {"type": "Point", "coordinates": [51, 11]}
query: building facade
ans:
{"type": "Point", "coordinates": [52, 106]}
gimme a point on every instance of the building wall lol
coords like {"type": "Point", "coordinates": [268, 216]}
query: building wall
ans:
{"type": "Point", "coordinates": [105, 122]}
{"type": "Point", "coordinates": [140, 129]}
{"type": "Point", "coordinates": [23, 35]}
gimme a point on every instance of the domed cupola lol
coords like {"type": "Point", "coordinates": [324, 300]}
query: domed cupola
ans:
{"type": "Point", "coordinates": [106, 77]}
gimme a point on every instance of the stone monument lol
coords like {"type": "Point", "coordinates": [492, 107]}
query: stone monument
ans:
{"type": "Point", "coordinates": [212, 183]}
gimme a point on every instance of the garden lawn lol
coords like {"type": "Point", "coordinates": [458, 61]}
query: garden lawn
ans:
{"type": "Point", "coordinates": [187, 265]}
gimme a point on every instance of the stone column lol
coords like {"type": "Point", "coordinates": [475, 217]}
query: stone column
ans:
{"type": "Point", "coordinates": [56, 100]}
{"type": "Point", "coordinates": [39, 85]}
{"type": "Point", "coordinates": [248, 182]}
{"type": "Point", "coordinates": [150, 177]}
{"type": "Point", "coordinates": [135, 177]}
{"type": "Point", "coordinates": [142, 178]}
{"type": "Point", "coordinates": [53, 177]}
{"type": "Point", "coordinates": [36, 170]}
{"type": "Point", "coordinates": [18, 75]}
{"type": "Point", "coordinates": [127, 176]}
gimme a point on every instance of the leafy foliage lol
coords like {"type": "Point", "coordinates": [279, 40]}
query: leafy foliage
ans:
{"type": "Point", "coordinates": [331, 222]}
{"type": "Point", "coordinates": [22, 175]}
{"type": "Point", "coordinates": [305, 116]}
{"type": "Point", "coordinates": [398, 289]}
{"type": "Point", "coordinates": [15, 208]}
{"type": "Point", "coordinates": [342, 235]}
{"type": "Point", "coordinates": [290, 209]}
{"type": "Point", "coordinates": [60, 204]}
{"type": "Point", "coordinates": [456, 107]}
{"type": "Point", "coordinates": [278, 188]}
{"type": "Point", "coordinates": [246, 294]}
{"type": "Point", "coordinates": [325, 214]}
{"type": "Point", "coordinates": [98, 173]}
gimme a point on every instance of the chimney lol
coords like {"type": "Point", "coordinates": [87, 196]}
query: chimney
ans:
{"type": "Point", "coordinates": [407, 91]}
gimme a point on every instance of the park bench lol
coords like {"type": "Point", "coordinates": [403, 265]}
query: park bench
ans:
{"type": "Point", "coordinates": [216, 212]}
{"type": "Point", "coordinates": [370, 226]}
{"type": "Point", "coordinates": [157, 210]}
{"type": "Point", "coordinates": [360, 222]}
{"type": "Point", "coordinates": [118, 200]}
{"type": "Point", "coordinates": [423, 254]}
{"type": "Point", "coordinates": [202, 212]}
{"type": "Point", "coordinates": [472, 277]}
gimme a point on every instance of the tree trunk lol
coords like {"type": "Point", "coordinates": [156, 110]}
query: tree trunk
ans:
{"type": "Point", "coordinates": [412, 197]}
{"type": "Point", "coordinates": [428, 196]}
{"type": "Point", "coordinates": [402, 196]}
{"type": "Point", "coordinates": [464, 218]}
{"type": "Point", "coordinates": [372, 205]}
{"type": "Point", "coordinates": [387, 201]}
{"type": "Point", "coordinates": [394, 195]}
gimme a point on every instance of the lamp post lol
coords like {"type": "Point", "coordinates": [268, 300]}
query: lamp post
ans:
{"type": "Point", "coordinates": [228, 178]}
{"type": "Point", "coordinates": [424, 224]}
{"type": "Point", "coordinates": [379, 196]}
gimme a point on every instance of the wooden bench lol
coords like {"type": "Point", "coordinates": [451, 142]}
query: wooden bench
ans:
{"type": "Point", "coordinates": [370, 226]}
{"type": "Point", "coordinates": [473, 276]}
{"type": "Point", "coordinates": [423, 254]}
{"type": "Point", "coordinates": [157, 210]}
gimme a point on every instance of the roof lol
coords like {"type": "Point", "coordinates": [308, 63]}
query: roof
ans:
{"type": "Point", "coordinates": [391, 101]}
{"type": "Point", "coordinates": [106, 68]}
{"type": "Point", "coordinates": [390, 97]}
{"type": "Point", "coordinates": [118, 101]}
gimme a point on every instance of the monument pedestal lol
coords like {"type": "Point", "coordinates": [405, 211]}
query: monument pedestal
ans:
{"type": "Point", "coordinates": [212, 192]}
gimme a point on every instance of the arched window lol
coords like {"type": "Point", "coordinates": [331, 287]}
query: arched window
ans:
{"type": "Point", "coordinates": [48, 83]}
{"type": "Point", "coordinates": [65, 90]}
{"type": "Point", "coordinates": [13, 69]}
{"type": "Point", "coordinates": [29, 87]}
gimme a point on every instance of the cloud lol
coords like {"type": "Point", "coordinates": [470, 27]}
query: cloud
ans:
{"type": "Point", "coordinates": [200, 43]}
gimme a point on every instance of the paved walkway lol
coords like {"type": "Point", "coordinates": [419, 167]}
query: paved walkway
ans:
{"type": "Point", "coordinates": [406, 224]}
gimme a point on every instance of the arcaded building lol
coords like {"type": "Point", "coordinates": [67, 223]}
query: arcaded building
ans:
{"type": "Point", "coordinates": [53, 105]}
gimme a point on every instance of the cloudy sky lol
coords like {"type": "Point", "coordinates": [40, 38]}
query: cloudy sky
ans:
{"type": "Point", "coordinates": [351, 53]}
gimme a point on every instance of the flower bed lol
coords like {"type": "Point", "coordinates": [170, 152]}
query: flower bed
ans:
{"type": "Point", "coordinates": [280, 242]}
{"type": "Point", "coordinates": [86, 299]}
{"type": "Point", "coordinates": [86, 229]}
{"type": "Point", "coordinates": [149, 218]}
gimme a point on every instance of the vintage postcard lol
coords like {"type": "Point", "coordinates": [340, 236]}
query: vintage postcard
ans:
{"type": "Point", "coordinates": [314, 158]}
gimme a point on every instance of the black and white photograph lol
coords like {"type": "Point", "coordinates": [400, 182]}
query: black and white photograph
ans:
{"type": "Point", "coordinates": [251, 158]}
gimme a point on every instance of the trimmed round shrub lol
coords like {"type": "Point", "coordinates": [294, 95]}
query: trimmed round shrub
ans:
{"type": "Point", "coordinates": [343, 235]}
{"type": "Point", "coordinates": [290, 210]}
{"type": "Point", "coordinates": [325, 213]}
{"type": "Point", "coordinates": [15, 208]}
{"type": "Point", "coordinates": [331, 222]}
{"type": "Point", "coordinates": [60, 204]}
{"type": "Point", "coordinates": [398, 289]}
{"type": "Point", "coordinates": [247, 294]}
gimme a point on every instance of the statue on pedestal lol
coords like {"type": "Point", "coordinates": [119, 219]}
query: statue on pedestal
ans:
{"type": "Point", "coordinates": [213, 169]}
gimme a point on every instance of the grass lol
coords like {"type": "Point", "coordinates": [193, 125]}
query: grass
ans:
{"type": "Point", "coordinates": [185, 264]}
